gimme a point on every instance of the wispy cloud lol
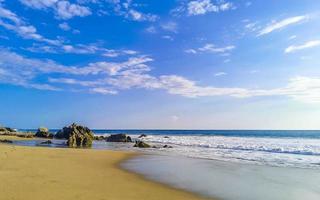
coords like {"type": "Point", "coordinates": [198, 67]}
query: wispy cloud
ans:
{"type": "Point", "coordinates": [200, 7]}
{"type": "Point", "coordinates": [63, 9]}
{"type": "Point", "coordinates": [220, 74]}
{"type": "Point", "coordinates": [277, 25]}
{"type": "Point", "coordinates": [111, 77]}
{"type": "Point", "coordinates": [12, 22]}
{"type": "Point", "coordinates": [211, 48]}
{"type": "Point", "coordinates": [307, 45]}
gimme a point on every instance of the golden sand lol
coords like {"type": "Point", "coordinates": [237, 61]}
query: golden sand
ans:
{"type": "Point", "coordinates": [37, 173]}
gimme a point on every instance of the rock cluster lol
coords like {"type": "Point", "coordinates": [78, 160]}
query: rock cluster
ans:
{"type": "Point", "coordinates": [43, 132]}
{"type": "Point", "coordinates": [119, 138]}
{"type": "Point", "coordinates": [141, 144]}
{"type": "Point", "coordinates": [7, 131]}
{"type": "Point", "coordinates": [77, 136]}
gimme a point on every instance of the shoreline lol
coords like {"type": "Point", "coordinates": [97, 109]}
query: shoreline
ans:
{"type": "Point", "coordinates": [53, 173]}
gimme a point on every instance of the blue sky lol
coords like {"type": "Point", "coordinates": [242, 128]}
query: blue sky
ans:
{"type": "Point", "coordinates": [197, 64]}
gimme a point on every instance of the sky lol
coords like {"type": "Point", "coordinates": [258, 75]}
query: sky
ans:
{"type": "Point", "coordinates": [170, 64]}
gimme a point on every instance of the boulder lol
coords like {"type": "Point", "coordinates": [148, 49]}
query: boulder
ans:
{"type": "Point", "coordinates": [6, 141]}
{"type": "Point", "coordinates": [167, 146]}
{"type": "Point", "coordinates": [43, 132]}
{"type": "Point", "coordinates": [142, 135]}
{"type": "Point", "coordinates": [119, 138]}
{"type": "Point", "coordinates": [46, 142]}
{"type": "Point", "coordinates": [7, 131]}
{"type": "Point", "coordinates": [141, 144]}
{"type": "Point", "coordinates": [77, 135]}
{"type": "Point", "coordinates": [99, 138]}
{"type": "Point", "coordinates": [166, 137]}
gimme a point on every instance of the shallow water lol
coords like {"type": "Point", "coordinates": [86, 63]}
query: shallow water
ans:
{"type": "Point", "coordinates": [228, 180]}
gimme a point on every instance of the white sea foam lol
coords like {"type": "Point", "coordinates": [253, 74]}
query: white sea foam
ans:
{"type": "Point", "coordinates": [293, 152]}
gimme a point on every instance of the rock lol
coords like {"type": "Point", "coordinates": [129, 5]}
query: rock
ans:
{"type": "Point", "coordinates": [46, 142]}
{"type": "Point", "coordinates": [43, 132]}
{"type": "Point", "coordinates": [77, 136]}
{"type": "Point", "coordinates": [99, 138]}
{"type": "Point", "coordinates": [7, 131]}
{"type": "Point", "coordinates": [10, 129]}
{"type": "Point", "coordinates": [6, 141]}
{"type": "Point", "coordinates": [141, 144]}
{"type": "Point", "coordinates": [166, 137]}
{"type": "Point", "coordinates": [167, 146]}
{"type": "Point", "coordinates": [142, 135]}
{"type": "Point", "coordinates": [119, 138]}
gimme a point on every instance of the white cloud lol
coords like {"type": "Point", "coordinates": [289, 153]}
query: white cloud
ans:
{"type": "Point", "coordinates": [192, 51]}
{"type": "Point", "coordinates": [211, 48]}
{"type": "Point", "coordinates": [276, 25]}
{"type": "Point", "coordinates": [220, 74]}
{"type": "Point", "coordinates": [309, 44]}
{"type": "Point", "coordinates": [200, 7]}
{"type": "Point", "coordinates": [103, 91]}
{"type": "Point", "coordinates": [66, 10]}
{"type": "Point", "coordinates": [63, 9]}
{"type": "Point", "coordinates": [151, 29]}
{"type": "Point", "coordinates": [170, 26]}
{"type": "Point", "coordinates": [110, 77]}
{"type": "Point", "coordinates": [12, 22]}
{"type": "Point", "coordinates": [65, 26]}
{"type": "Point", "coordinates": [168, 37]}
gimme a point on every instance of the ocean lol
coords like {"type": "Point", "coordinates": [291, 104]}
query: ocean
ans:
{"type": "Point", "coordinates": [284, 148]}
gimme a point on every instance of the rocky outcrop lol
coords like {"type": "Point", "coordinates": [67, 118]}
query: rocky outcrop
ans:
{"type": "Point", "coordinates": [77, 136]}
{"type": "Point", "coordinates": [141, 144]}
{"type": "Point", "coordinates": [43, 132]}
{"type": "Point", "coordinates": [6, 141]}
{"type": "Point", "coordinates": [167, 146]}
{"type": "Point", "coordinates": [46, 142]}
{"type": "Point", "coordinates": [142, 135]}
{"type": "Point", "coordinates": [7, 131]}
{"type": "Point", "coordinates": [119, 138]}
{"type": "Point", "coordinates": [99, 138]}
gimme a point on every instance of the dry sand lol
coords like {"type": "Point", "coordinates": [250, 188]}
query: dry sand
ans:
{"type": "Point", "coordinates": [39, 173]}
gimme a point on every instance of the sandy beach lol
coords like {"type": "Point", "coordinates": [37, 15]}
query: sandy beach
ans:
{"type": "Point", "coordinates": [38, 173]}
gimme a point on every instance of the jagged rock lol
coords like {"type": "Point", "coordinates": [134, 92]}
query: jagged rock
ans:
{"type": "Point", "coordinates": [99, 138]}
{"type": "Point", "coordinates": [46, 142]}
{"type": "Point", "coordinates": [141, 144]}
{"type": "Point", "coordinates": [167, 146]}
{"type": "Point", "coordinates": [6, 141]}
{"type": "Point", "coordinates": [142, 135]}
{"type": "Point", "coordinates": [7, 131]}
{"type": "Point", "coordinates": [119, 138]}
{"type": "Point", "coordinates": [77, 136]}
{"type": "Point", "coordinates": [43, 132]}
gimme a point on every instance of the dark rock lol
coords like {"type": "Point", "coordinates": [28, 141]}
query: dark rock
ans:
{"type": "Point", "coordinates": [43, 132]}
{"type": "Point", "coordinates": [99, 138]}
{"type": "Point", "coordinates": [77, 136]}
{"type": "Point", "coordinates": [46, 142]}
{"type": "Point", "coordinates": [10, 129]}
{"type": "Point", "coordinates": [142, 135]}
{"type": "Point", "coordinates": [119, 138]}
{"type": "Point", "coordinates": [141, 144]}
{"type": "Point", "coordinates": [6, 141]}
{"type": "Point", "coordinates": [166, 136]}
{"type": "Point", "coordinates": [167, 146]}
